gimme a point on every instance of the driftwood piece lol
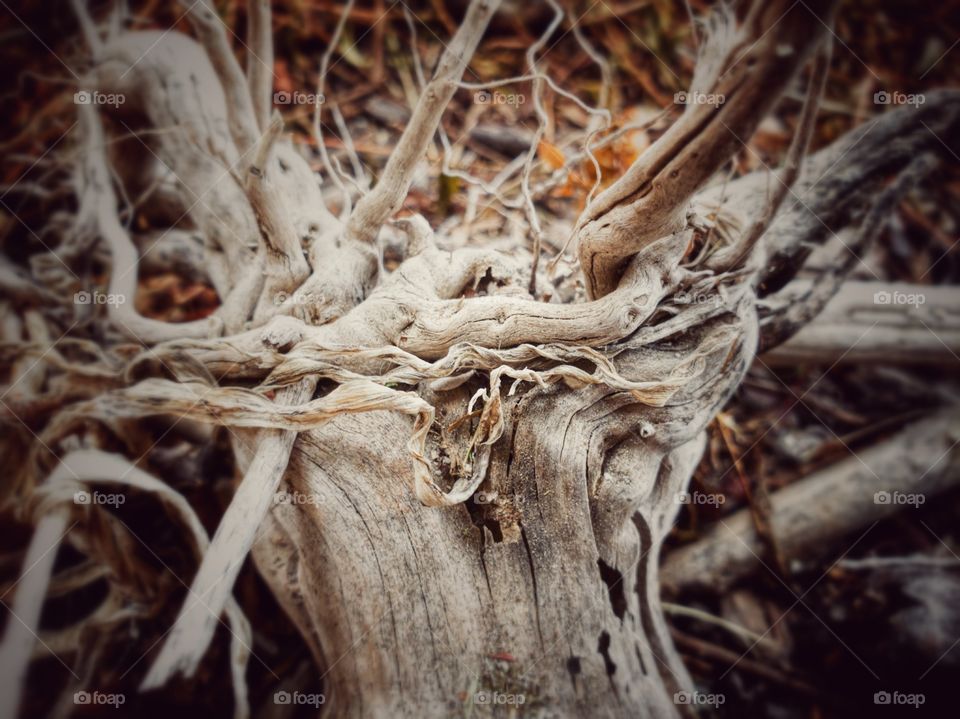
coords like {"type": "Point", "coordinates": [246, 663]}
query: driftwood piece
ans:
{"type": "Point", "coordinates": [812, 515]}
{"type": "Point", "coordinates": [878, 322]}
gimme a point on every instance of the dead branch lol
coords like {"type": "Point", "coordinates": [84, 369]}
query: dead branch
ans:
{"type": "Point", "coordinates": [811, 514]}
{"type": "Point", "coordinates": [178, 92]}
{"type": "Point", "coordinates": [650, 200]}
{"type": "Point", "coordinates": [212, 34]}
{"type": "Point", "coordinates": [839, 183]}
{"type": "Point", "coordinates": [280, 252]}
{"type": "Point", "coordinates": [214, 581]}
{"type": "Point", "coordinates": [876, 322]}
{"type": "Point", "coordinates": [731, 256]}
{"type": "Point", "coordinates": [796, 313]}
{"type": "Point", "coordinates": [577, 423]}
{"type": "Point", "coordinates": [260, 60]}
{"type": "Point", "coordinates": [17, 645]}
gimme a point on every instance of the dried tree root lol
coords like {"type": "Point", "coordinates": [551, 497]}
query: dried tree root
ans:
{"type": "Point", "coordinates": [195, 625]}
{"type": "Point", "coordinates": [56, 506]}
{"type": "Point", "coordinates": [556, 485]}
{"type": "Point", "coordinates": [23, 623]}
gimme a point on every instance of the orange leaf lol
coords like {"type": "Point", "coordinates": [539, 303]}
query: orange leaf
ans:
{"type": "Point", "coordinates": [551, 154]}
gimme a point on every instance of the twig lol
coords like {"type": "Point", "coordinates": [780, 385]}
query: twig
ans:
{"type": "Point", "coordinates": [711, 651]}
{"type": "Point", "coordinates": [606, 77]}
{"type": "Point", "coordinates": [318, 109]}
{"type": "Point", "coordinates": [529, 209]}
{"type": "Point", "coordinates": [916, 560]}
{"type": "Point", "coordinates": [414, 49]}
{"type": "Point", "coordinates": [735, 629]}
{"type": "Point", "coordinates": [348, 145]}
{"type": "Point", "coordinates": [385, 198]}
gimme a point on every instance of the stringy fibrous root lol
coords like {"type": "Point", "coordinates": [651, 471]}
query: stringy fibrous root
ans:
{"type": "Point", "coordinates": [311, 329]}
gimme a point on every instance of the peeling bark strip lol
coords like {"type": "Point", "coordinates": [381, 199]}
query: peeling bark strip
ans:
{"type": "Point", "coordinates": [483, 483]}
